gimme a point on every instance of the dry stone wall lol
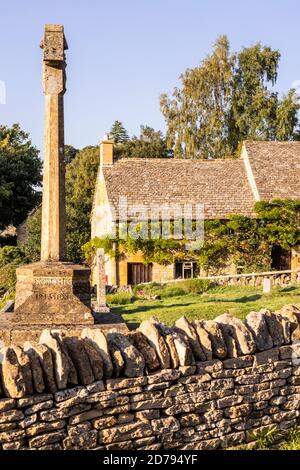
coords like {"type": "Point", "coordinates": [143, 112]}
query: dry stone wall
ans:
{"type": "Point", "coordinates": [197, 385]}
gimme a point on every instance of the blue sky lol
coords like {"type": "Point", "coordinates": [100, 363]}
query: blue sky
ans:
{"type": "Point", "coordinates": [124, 53]}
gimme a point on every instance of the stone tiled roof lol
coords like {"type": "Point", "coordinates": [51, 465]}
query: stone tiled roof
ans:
{"type": "Point", "coordinates": [276, 169]}
{"type": "Point", "coordinates": [224, 186]}
{"type": "Point", "coordinates": [221, 185]}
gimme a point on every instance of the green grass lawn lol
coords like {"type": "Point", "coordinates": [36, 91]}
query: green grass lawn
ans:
{"type": "Point", "coordinates": [238, 301]}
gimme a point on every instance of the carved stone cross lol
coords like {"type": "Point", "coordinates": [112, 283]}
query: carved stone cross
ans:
{"type": "Point", "coordinates": [54, 83]}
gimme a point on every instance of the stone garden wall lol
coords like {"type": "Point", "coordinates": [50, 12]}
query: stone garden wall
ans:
{"type": "Point", "coordinates": [278, 278]}
{"type": "Point", "coordinates": [197, 385]}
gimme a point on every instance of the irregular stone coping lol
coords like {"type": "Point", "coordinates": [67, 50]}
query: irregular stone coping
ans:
{"type": "Point", "coordinates": [63, 361]}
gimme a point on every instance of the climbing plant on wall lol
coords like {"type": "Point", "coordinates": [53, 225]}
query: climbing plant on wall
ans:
{"type": "Point", "coordinates": [239, 240]}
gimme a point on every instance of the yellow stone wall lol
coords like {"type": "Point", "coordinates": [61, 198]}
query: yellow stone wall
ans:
{"type": "Point", "coordinates": [163, 273]}
{"type": "Point", "coordinates": [296, 258]}
{"type": "Point", "coordinates": [159, 273]}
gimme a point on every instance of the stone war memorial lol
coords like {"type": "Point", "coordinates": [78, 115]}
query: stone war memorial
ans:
{"type": "Point", "coordinates": [52, 292]}
{"type": "Point", "coordinates": [71, 381]}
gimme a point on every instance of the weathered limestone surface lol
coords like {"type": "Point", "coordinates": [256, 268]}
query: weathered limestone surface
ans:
{"type": "Point", "coordinates": [141, 343]}
{"type": "Point", "coordinates": [99, 341]}
{"type": "Point", "coordinates": [13, 381]}
{"type": "Point", "coordinates": [236, 329]}
{"type": "Point", "coordinates": [217, 340]}
{"type": "Point", "coordinates": [184, 325]}
{"type": "Point", "coordinates": [134, 360]}
{"type": "Point", "coordinates": [52, 291]}
{"type": "Point", "coordinates": [257, 324]}
{"type": "Point", "coordinates": [60, 360]}
{"type": "Point", "coordinates": [204, 339]}
{"type": "Point", "coordinates": [150, 328]}
{"type": "Point", "coordinates": [207, 404]}
{"type": "Point", "coordinates": [36, 368]}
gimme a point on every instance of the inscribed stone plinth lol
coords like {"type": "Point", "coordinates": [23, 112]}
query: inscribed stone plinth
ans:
{"type": "Point", "coordinates": [52, 293]}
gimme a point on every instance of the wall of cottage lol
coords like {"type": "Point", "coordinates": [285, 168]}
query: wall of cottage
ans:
{"type": "Point", "coordinates": [197, 385]}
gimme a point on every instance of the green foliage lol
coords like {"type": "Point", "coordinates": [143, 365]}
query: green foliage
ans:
{"type": "Point", "coordinates": [81, 175]}
{"type": "Point", "coordinates": [20, 175]}
{"type": "Point", "coordinates": [120, 298]}
{"type": "Point", "coordinates": [265, 438]}
{"type": "Point", "coordinates": [151, 288]}
{"type": "Point", "coordinates": [150, 144]}
{"type": "Point", "coordinates": [118, 133]}
{"type": "Point", "coordinates": [172, 291]}
{"type": "Point", "coordinates": [32, 248]}
{"type": "Point", "coordinates": [235, 300]}
{"type": "Point", "coordinates": [162, 291]}
{"type": "Point", "coordinates": [292, 440]}
{"type": "Point", "coordinates": [194, 286]}
{"type": "Point", "coordinates": [240, 240]}
{"type": "Point", "coordinates": [8, 278]}
{"type": "Point", "coordinates": [161, 251]}
{"type": "Point", "coordinates": [70, 153]}
{"type": "Point", "coordinates": [227, 100]}
{"type": "Point", "coordinates": [11, 254]}
{"type": "Point", "coordinates": [279, 222]}
{"type": "Point", "coordinates": [10, 258]}
{"type": "Point", "coordinates": [179, 288]}
{"type": "Point", "coordinates": [248, 242]}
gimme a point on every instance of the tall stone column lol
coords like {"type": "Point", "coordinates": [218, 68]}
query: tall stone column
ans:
{"type": "Point", "coordinates": [54, 83]}
{"type": "Point", "coordinates": [53, 292]}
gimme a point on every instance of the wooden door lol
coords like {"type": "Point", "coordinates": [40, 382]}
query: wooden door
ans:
{"type": "Point", "coordinates": [281, 259]}
{"type": "Point", "coordinates": [138, 273]}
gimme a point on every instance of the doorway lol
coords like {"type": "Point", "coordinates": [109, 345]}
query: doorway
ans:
{"type": "Point", "coordinates": [281, 259]}
{"type": "Point", "coordinates": [138, 273]}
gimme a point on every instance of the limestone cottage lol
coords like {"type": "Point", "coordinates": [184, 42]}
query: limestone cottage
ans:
{"type": "Point", "coordinates": [264, 171]}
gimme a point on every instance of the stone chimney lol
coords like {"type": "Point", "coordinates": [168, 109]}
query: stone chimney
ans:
{"type": "Point", "coordinates": [106, 151]}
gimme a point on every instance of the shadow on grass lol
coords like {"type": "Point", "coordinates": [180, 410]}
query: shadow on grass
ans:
{"type": "Point", "coordinates": [288, 289]}
{"type": "Point", "coordinates": [241, 300]}
{"type": "Point", "coordinates": [145, 308]}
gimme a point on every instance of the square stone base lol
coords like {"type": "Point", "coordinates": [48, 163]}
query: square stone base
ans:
{"type": "Point", "coordinates": [53, 293]}
{"type": "Point", "coordinates": [17, 335]}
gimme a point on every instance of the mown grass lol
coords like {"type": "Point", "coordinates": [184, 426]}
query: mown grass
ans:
{"type": "Point", "coordinates": [236, 300]}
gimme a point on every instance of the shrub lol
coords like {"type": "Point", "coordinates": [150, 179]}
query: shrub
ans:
{"type": "Point", "coordinates": [195, 286]}
{"type": "Point", "coordinates": [172, 292]}
{"type": "Point", "coordinates": [154, 288]}
{"type": "Point", "coordinates": [8, 278]}
{"type": "Point", "coordinates": [120, 298]}
{"type": "Point", "coordinates": [11, 254]}
{"type": "Point", "coordinates": [10, 258]}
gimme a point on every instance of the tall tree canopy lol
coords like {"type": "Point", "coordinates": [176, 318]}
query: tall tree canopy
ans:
{"type": "Point", "coordinates": [81, 175]}
{"type": "Point", "coordinates": [70, 153]}
{"type": "Point", "coordinates": [227, 99]}
{"type": "Point", "coordinates": [20, 175]}
{"type": "Point", "coordinates": [118, 133]}
{"type": "Point", "coordinates": [150, 144]}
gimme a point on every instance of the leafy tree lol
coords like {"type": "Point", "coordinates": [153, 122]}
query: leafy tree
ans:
{"type": "Point", "coordinates": [150, 144]}
{"type": "Point", "coordinates": [32, 248]}
{"type": "Point", "coordinates": [10, 258]}
{"type": "Point", "coordinates": [118, 133]}
{"type": "Point", "coordinates": [81, 175]}
{"type": "Point", "coordinates": [21, 173]}
{"type": "Point", "coordinates": [70, 153]}
{"type": "Point", "coordinates": [227, 99]}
